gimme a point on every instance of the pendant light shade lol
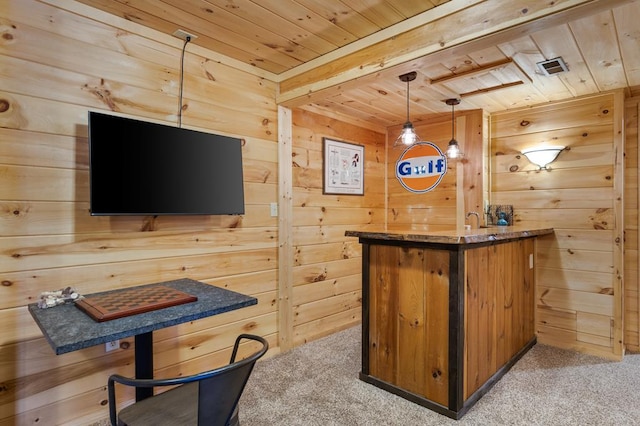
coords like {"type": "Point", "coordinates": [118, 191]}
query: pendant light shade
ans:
{"type": "Point", "coordinates": [453, 150]}
{"type": "Point", "coordinates": [408, 135]}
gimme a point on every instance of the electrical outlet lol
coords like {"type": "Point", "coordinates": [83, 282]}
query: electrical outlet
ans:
{"type": "Point", "coordinates": [112, 346]}
{"type": "Point", "coordinates": [274, 209]}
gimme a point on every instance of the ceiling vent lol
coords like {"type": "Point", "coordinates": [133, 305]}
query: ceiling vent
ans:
{"type": "Point", "coordinates": [552, 66]}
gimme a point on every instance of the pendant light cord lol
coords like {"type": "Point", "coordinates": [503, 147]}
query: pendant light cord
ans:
{"type": "Point", "coordinates": [407, 101]}
{"type": "Point", "coordinates": [184, 48]}
{"type": "Point", "coordinates": [453, 136]}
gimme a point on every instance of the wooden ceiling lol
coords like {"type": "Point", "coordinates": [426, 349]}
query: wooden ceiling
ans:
{"type": "Point", "coordinates": [345, 56]}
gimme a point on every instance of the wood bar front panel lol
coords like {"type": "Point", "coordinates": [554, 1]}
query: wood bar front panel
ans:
{"type": "Point", "coordinates": [409, 319]}
{"type": "Point", "coordinates": [499, 308]}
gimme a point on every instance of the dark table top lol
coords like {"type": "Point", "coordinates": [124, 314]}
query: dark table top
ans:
{"type": "Point", "coordinates": [68, 329]}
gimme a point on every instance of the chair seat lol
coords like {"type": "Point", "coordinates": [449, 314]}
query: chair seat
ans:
{"type": "Point", "coordinates": [178, 406]}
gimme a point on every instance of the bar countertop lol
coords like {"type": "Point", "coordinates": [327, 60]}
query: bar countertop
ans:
{"type": "Point", "coordinates": [466, 236]}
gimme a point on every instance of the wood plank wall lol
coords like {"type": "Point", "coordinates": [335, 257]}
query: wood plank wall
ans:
{"type": "Point", "coordinates": [631, 288]}
{"type": "Point", "coordinates": [437, 209]}
{"type": "Point", "coordinates": [579, 271]}
{"type": "Point", "coordinates": [57, 65]}
{"type": "Point", "coordinates": [327, 276]}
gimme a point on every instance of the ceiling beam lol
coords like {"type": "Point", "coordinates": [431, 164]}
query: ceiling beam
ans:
{"type": "Point", "coordinates": [408, 24]}
{"type": "Point", "coordinates": [478, 26]}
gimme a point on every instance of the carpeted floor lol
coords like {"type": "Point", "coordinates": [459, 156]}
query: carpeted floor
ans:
{"type": "Point", "coordinates": [317, 384]}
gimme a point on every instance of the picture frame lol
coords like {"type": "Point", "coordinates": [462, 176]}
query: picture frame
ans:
{"type": "Point", "coordinates": [343, 167]}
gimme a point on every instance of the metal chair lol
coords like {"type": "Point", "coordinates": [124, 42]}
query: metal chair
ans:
{"type": "Point", "coordinates": [208, 398]}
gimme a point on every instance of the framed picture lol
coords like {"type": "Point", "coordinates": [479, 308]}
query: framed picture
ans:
{"type": "Point", "coordinates": [343, 168]}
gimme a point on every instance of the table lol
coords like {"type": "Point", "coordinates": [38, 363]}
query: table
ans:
{"type": "Point", "coordinates": [68, 329]}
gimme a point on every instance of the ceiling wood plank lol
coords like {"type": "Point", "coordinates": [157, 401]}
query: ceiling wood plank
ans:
{"type": "Point", "coordinates": [628, 31]}
{"type": "Point", "coordinates": [221, 18]}
{"type": "Point", "coordinates": [429, 16]}
{"type": "Point", "coordinates": [409, 8]}
{"type": "Point", "coordinates": [348, 54]}
{"type": "Point", "coordinates": [381, 14]}
{"type": "Point", "coordinates": [383, 102]}
{"type": "Point", "coordinates": [461, 29]}
{"type": "Point", "coordinates": [258, 15]}
{"type": "Point", "coordinates": [342, 104]}
{"type": "Point", "coordinates": [342, 16]}
{"type": "Point", "coordinates": [330, 113]}
{"type": "Point", "coordinates": [310, 20]}
{"type": "Point", "coordinates": [194, 23]}
{"type": "Point", "coordinates": [168, 25]}
{"type": "Point", "coordinates": [559, 41]}
{"type": "Point", "coordinates": [597, 38]}
{"type": "Point", "coordinates": [526, 54]}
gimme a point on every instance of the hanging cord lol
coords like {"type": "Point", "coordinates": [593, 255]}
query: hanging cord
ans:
{"type": "Point", "coordinates": [184, 47]}
{"type": "Point", "coordinates": [408, 101]}
{"type": "Point", "coordinates": [453, 135]}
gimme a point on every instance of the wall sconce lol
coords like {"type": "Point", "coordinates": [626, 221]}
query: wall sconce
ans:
{"type": "Point", "coordinates": [453, 150]}
{"type": "Point", "coordinates": [408, 135]}
{"type": "Point", "coordinates": [543, 156]}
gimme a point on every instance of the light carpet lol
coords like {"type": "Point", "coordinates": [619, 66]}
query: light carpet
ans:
{"type": "Point", "coordinates": [317, 384]}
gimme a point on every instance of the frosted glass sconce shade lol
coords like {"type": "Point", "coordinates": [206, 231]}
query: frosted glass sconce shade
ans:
{"type": "Point", "coordinates": [543, 156]}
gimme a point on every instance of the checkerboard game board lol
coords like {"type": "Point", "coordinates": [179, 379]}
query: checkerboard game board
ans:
{"type": "Point", "coordinates": [126, 302]}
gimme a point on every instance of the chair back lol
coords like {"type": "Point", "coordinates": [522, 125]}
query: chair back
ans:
{"type": "Point", "coordinates": [212, 396]}
{"type": "Point", "coordinates": [219, 394]}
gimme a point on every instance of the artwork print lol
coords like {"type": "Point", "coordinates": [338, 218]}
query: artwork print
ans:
{"type": "Point", "coordinates": [343, 168]}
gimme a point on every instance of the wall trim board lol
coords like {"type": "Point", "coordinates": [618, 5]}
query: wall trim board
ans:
{"type": "Point", "coordinates": [285, 222]}
{"type": "Point", "coordinates": [618, 230]}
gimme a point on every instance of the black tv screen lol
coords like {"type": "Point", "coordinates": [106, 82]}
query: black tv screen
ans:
{"type": "Point", "coordinates": [143, 168]}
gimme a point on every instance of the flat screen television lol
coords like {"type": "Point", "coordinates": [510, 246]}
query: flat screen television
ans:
{"type": "Point", "coordinates": [143, 168]}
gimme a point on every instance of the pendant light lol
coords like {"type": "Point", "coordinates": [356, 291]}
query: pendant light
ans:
{"type": "Point", "coordinates": [408, 135]}
{"type": "Point", "coordinates": [453, 150]}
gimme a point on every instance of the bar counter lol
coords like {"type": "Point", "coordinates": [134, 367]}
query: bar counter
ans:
{"type": "Point", "coordinates": [446, 314]}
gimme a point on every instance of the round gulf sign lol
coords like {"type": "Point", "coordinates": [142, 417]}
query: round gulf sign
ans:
{"type": "Point", "coordinates": [421, 167]}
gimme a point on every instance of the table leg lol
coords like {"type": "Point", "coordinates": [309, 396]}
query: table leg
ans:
{"type": "Point", "coordinates": [144, 362]}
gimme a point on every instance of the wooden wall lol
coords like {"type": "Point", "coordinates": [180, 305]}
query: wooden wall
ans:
{"type": "Point", "coordinates": [58, 62]}
{"type": "Point", "coordinates": [57, 65]}
{"type": "Point", "coordinates": [631, 288]}
{"type": "Point", "coordinates": [327, 276]}
{"type": "Point", "coordinates": [61, 61]}
{"type": "Point", "coordinates": [461, 190]}
{"type": "Point", "coordinates": [580, 269]}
